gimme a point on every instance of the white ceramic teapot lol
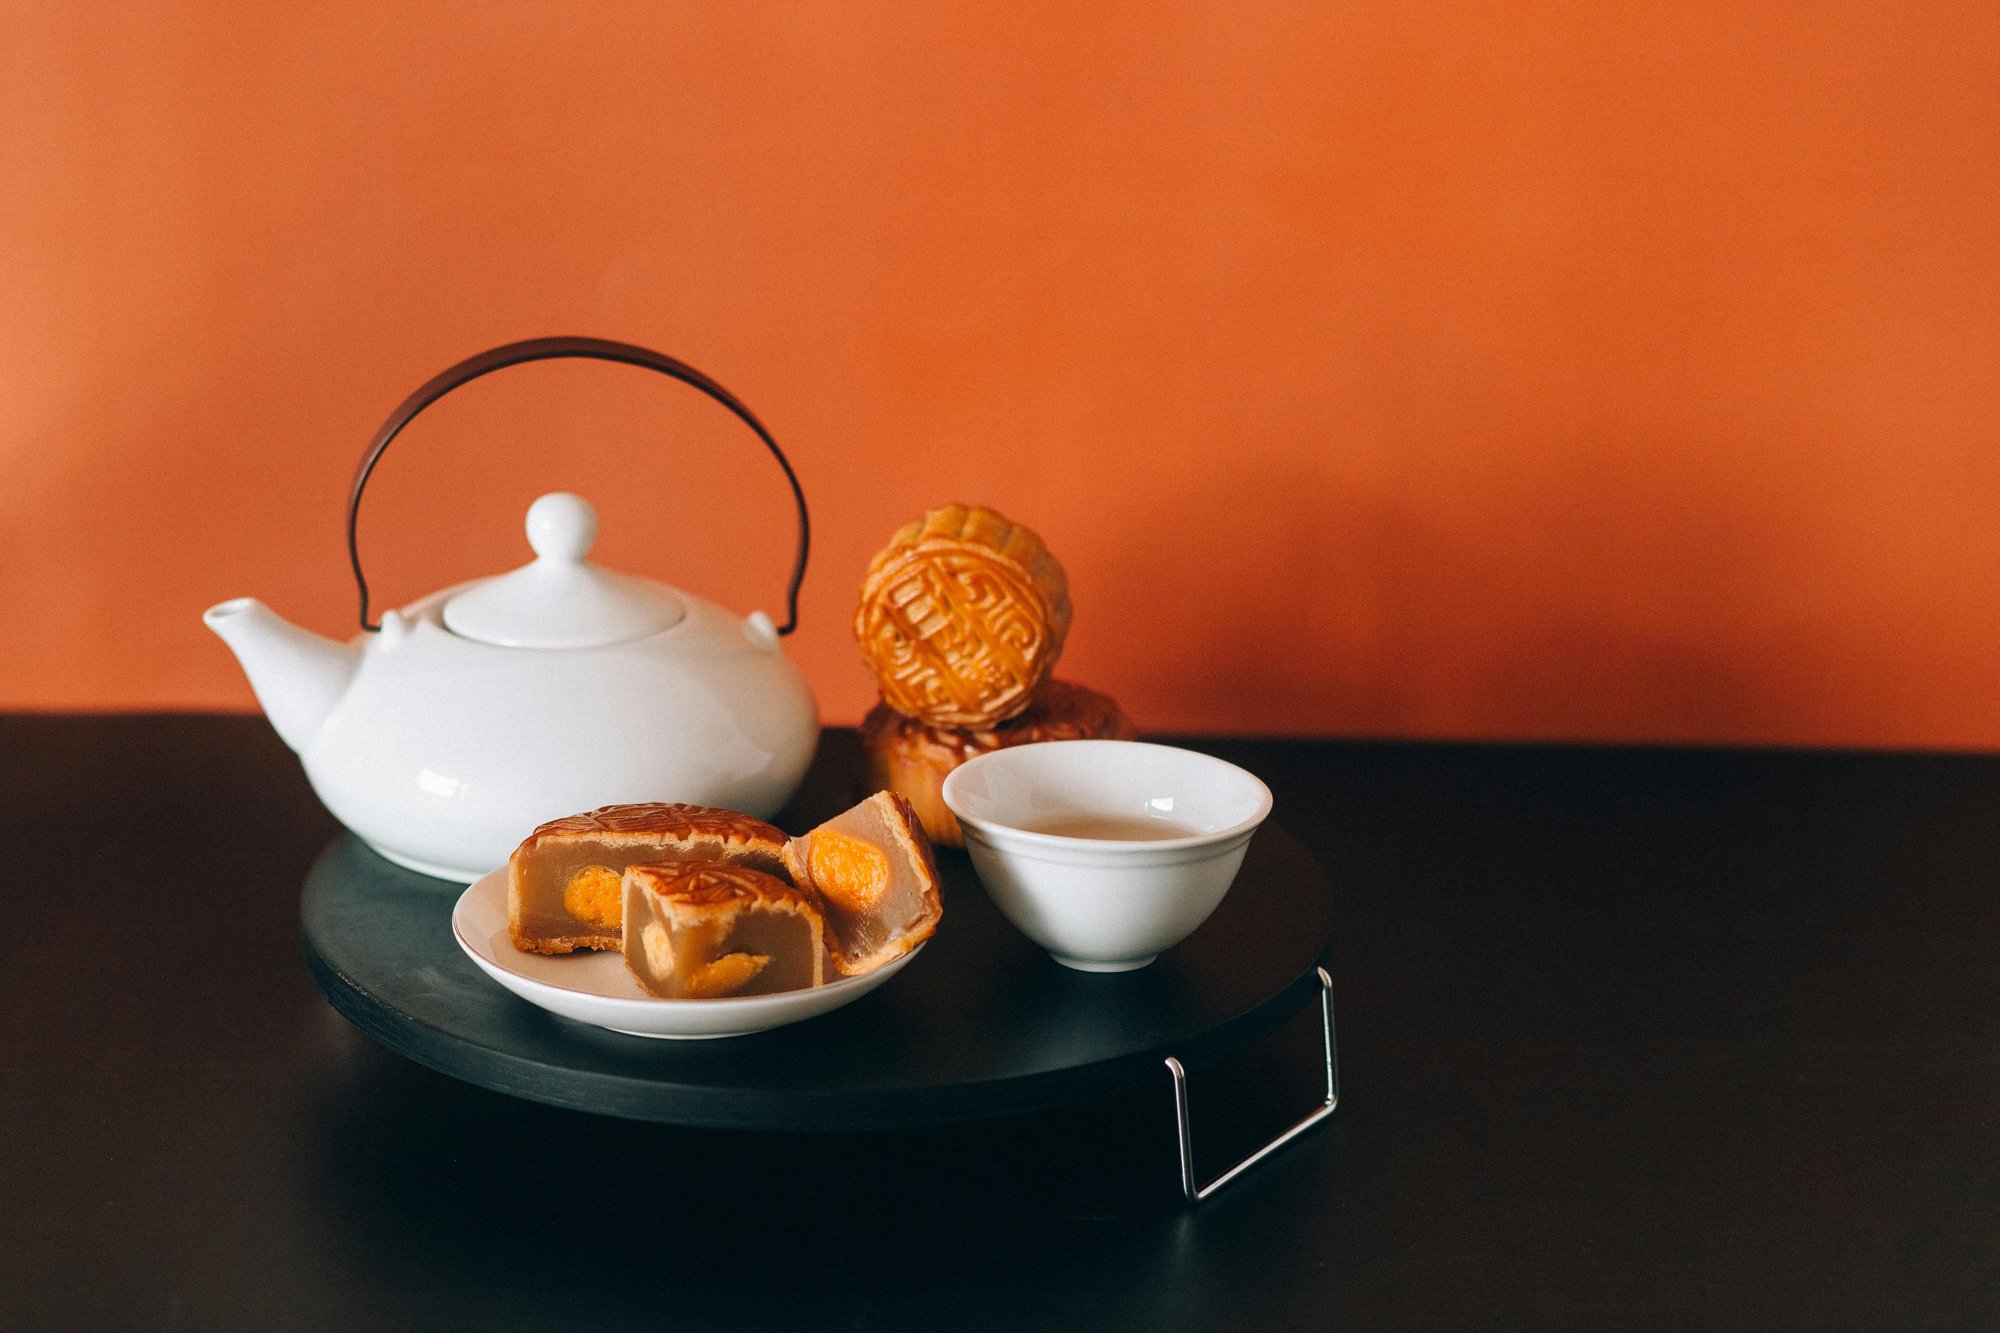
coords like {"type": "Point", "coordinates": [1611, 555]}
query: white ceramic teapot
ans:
{"type": "Point", "coordinates": [445, 734]}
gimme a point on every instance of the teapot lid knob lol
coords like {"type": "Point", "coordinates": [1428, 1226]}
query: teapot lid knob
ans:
{"type": "Point", "coordinates": [562, 526]}
{"type": "Point", "coordinates": [560, 599]}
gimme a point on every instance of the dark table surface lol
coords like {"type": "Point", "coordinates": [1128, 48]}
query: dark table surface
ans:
{"type": "Point", "coordinates": [1630, 1038]}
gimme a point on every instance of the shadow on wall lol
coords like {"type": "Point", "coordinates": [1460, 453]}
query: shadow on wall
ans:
{"type": "Point", "coordinates": [1362, 615]}
{"type": "Point", "coordinates": [1589, 680]}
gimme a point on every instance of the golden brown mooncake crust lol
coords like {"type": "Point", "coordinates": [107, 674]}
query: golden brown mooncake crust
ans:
{"type": "Point", "coordinates": [718, 835]}
{"type": "Point", "coordinates": [709, 883]}
{"type": "Point", "coordinates": [912, 758]}
{"type": "Point", "coordinates": [962, 615]}
{"type": "Point", "coordinates": [687, 824]}
{"type": "Point", "coordinates": [907, 831]}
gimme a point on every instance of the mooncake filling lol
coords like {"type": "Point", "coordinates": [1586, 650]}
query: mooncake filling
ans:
{"type": "Point", "coordinates": [853, 874]}
{"type": "Point", "coordinates": [592, 895]}
{"type": "Point", "coordinates": [564, 881]}
{"type": "Point", "coordinates": [871, 867]}
{"type": "Point", "coordinates": [698, 933]}
{"type": "Point", "coordinates": [572, 888]}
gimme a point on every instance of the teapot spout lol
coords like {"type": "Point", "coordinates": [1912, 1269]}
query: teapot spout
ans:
{"type": "Point", "coordinates": [298, 677]}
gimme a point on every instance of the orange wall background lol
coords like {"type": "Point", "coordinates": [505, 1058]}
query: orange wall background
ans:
{"type": "Point", "coordinates": [1483, 368]}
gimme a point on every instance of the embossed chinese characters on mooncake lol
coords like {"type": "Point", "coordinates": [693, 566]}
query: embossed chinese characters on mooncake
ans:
{"type": "Point", "coordinates": [962, 615]}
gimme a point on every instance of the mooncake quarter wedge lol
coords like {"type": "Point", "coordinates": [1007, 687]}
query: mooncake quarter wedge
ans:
{"type": "Point", "coordinates": [705, 930]}
{"type": "Point", "coordinates": [564, 881]}
{"type": "Point", "coordinates": [876, 879]}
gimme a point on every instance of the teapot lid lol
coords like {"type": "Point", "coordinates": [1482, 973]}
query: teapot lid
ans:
{"type": "Point", "coordinates": [560, 599]}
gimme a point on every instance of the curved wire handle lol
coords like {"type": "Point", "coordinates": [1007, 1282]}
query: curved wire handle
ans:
{"type": "Point", "coordinates": [548, 349]}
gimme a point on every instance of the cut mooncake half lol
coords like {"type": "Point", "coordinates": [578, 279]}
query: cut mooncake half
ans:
{"type": "Point", "coordinates": [876, 878]}
{"type": "Point", "coordinates": [564, 881]}
{"type": "Point", "coordinates": [702, 931]}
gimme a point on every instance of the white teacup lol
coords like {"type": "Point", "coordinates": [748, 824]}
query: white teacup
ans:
{"type": "Point", "coordinates": [1105, 852]}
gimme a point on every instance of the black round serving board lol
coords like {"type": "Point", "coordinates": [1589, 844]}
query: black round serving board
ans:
{"type": "Point", "coordinates": [981, 1024]}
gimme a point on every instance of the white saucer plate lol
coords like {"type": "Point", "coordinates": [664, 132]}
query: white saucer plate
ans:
{"type": "Point", "coordinates": [595, 988]}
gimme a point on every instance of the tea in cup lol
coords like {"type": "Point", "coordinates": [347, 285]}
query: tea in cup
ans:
{"type": "Point", "coordinates": [1105, 853]}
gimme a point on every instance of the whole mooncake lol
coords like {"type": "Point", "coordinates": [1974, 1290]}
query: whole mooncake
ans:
{"type": "Point", "coordinates": [564, 880]}
{"type": "Point", "coordinates": [962, 615]}
{"type": "Point", "coordinates": [913, 758]}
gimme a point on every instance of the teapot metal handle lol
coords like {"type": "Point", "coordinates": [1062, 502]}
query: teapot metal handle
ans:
{"type": "Point", "coordinates": [548, 349]}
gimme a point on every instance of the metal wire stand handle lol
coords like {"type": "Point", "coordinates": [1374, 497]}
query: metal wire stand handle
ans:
{"type": "Point", "coordinates": [1181, 1108]}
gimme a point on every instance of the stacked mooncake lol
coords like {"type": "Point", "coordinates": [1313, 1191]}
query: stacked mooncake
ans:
{"type": "Point", "coordinates": [962, 617]}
